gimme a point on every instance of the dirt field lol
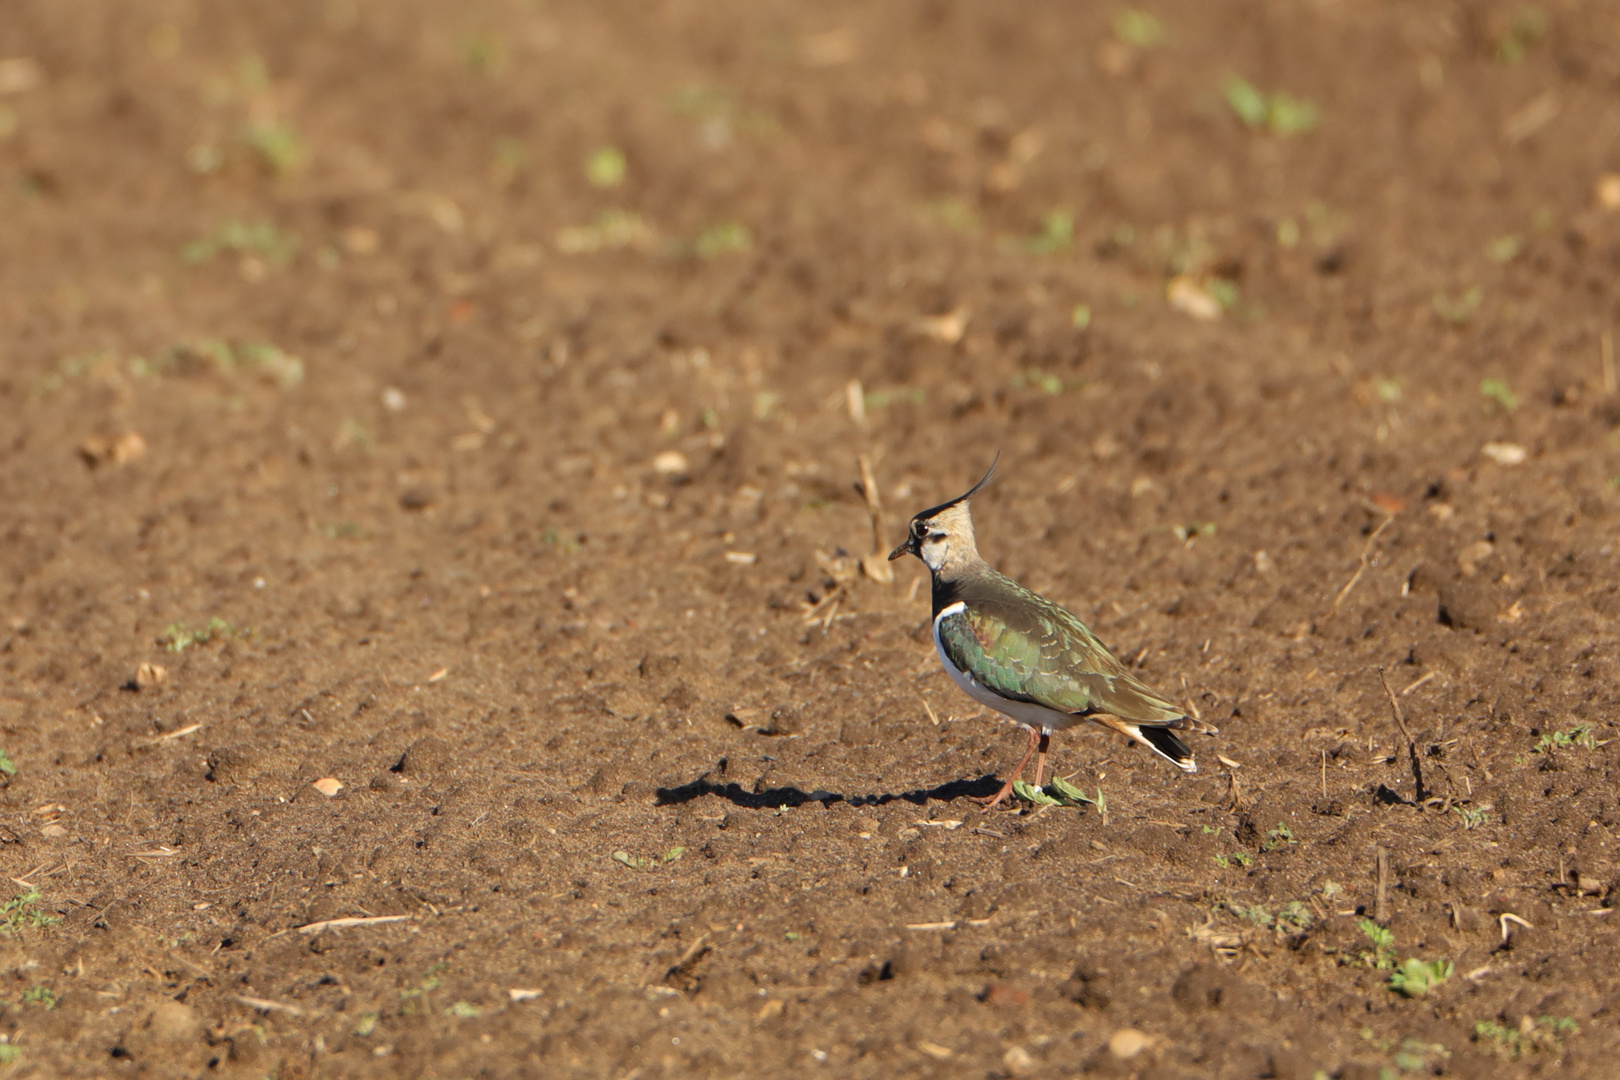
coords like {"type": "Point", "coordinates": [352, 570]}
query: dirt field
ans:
{"type": "Point", "coordinates": [461, 404]}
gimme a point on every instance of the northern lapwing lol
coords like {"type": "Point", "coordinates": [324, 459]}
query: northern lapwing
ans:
{"type": "Point", "coordinates": [1026, 657]}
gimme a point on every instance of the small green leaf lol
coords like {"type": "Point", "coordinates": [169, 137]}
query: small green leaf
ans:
{"type": "Point", "coordinates": [1032, 794]}
{"type": "Point", "coordinates": [1458, 311]}
{"type": "Point", "coordinates": [1245, 100]}
{"type": "Point", "coordinates": [726, 238]}
{"type": "Point", "coordinates": [1139, 28]}
{"type": "Point", "coordinates": [6, 764]}
{"type": "Point", "coordinates": [464, 1010]}
{"type": "Point", "coordinates": [1497, 390]}
{"type": "Point", "coordinates": [1504, 249]}
{"type": "Point", "coordinates": [606, 167]}
{"type": "Point", "coordinates": [1415, 978]}
{"type": "Point", "coordinates": [1066, 790]}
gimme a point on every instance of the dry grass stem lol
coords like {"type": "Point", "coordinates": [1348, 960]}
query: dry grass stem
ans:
{"type": "Point", "coordinates": [339, 924]}
{"type": "Point", "coordinates": [1366, 553]}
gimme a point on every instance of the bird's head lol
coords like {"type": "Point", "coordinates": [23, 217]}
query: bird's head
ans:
{"type": "Point", "coordinates": [944, 532]}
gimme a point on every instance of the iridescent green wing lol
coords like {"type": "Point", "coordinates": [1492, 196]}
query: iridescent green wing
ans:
{"type": "Point", "coordinates": [1023, 646]}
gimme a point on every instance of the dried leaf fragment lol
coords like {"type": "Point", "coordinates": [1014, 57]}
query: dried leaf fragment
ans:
{"type": "Point", "coordinates": [121, 450]}
{"type": "Point", "coordinates": [148, 675]}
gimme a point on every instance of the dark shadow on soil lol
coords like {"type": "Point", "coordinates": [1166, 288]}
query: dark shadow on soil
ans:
{"type": "Point", "coordinates": [771, 798]}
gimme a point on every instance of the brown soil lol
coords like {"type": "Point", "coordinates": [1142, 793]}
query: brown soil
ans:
{"type": "Point", "coordinates": [316, 397]}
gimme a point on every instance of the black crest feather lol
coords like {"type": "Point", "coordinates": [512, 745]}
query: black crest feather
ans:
{"type": "Point", "coordinates": [966, 495]}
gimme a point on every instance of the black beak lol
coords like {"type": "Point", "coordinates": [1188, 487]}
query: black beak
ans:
{"type": "Point", "coordinates": [907, 548]}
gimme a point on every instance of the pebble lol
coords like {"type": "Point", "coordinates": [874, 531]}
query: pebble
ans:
{"type": "Point", "coordinates": [1127, 1043]}
{"type": "Point", "coordinates": [670, 463]}
{"type": "Point", "coordinates": [1018, 1061]}
{"type": "Point", "coordinates": [1505, 453]}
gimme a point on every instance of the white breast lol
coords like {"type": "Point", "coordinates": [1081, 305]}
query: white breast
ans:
{"type": "Point", "coordinates": [1027, 713]}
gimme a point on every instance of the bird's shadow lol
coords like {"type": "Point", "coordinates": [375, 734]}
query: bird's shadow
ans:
{"type": "Point", "coordinates": [774, 798]}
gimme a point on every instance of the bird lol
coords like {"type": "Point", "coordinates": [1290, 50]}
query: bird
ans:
{"type": "Point", "coordinates": [1026, 657]}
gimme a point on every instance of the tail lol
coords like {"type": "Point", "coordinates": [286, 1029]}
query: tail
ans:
{"type": "Point", "coordinates": [1161, 738]}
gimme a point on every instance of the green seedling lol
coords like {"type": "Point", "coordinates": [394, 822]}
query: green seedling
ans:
{"type": "Point", "coordinates": [1280, 835]}
{"type": "Point", "coordinates": [1225, 291]}
{"type": "Point", "coordinates": [1056, 235]}
{"type": "Point", "coordinates": [1138, 28]}
{"type": "Point", "coordinates": [1498, 391]}
{"type": "Point", "coordinates": [724, 238]}
{"type": "Point", "coordinates": [1293, 918]}
{"type": "Point", "coordinates": [1193, 530]}
{"type": "Point", "coordinates": [718, 111]}
{"type": "Point", "coordinates": [1279, 113]}
{"type": "Point", "coordinates": [1059, 793]}
{"type": "Point", "coordinates": [352, 433]}
{"type": "Point", "coordinates": [1544, 1035]}
{"type": "Point", "coordinates": [882, 399]}
{"type": "Point", "coordinates": [261, 238]}
{"type": "Point", "coordinates": [7, 766]}
{"type": "Point", "coordinates": [564, 542]}
{"type": "Point", "coordinates": [413, 999]}
{"type": "Point", "coordinates": [276, 146]}
{"type": "Point", "coordinates": [1237, 858]}
{"type": "Point", "coordinates": [366, 1025]}
{"type": "Point", "coordinates": [1525, 30]}
{"type": "Point", "coordinates": [1044, 381]}
{"type": "Point", "coordinates": [643, 862]}
{"type": "Point", "coordinates": [1458, 311]}
{"type": "Point", "coordinates": [1032, 794]}
{"type": "Point", "coordinates": [606, 168]}
{"type": "Point", "coordinates": [1579, 737]}
{"type": "Point", "coordinates": [1080, 318]}
{"type": "Point", "coordinates": [1504, 249]}
{"type": "Point", "coordinates": [1074, 796]}
{"type": "Point", "coordinates": [765, 404]}
{"type": "Point", "coordinates": [1415, 978]}
{"type": "Point", "coordinates": [176, 638]}
{"type": "Point", "coordinates": [1417, 1056]}
{"type": "Point", "coordinates": [272, 363]}
{"type": "Point", "coordinates": [42, 996]}
{"type": "Point", "coordinates": [9, 1053]}
{"type": "Point", "coordinates": [1382, 939]}
{"type": "Point", "coordinates": [1472, 816]}
{"type": "Point", "coordinates": [613, 230]}
{"type": "Point", "coordinates": [21, 912]}
{"type": "Point", "coordinates": [954, 214]}
{"type": "Point", "coordinates": [1388, 390]}
{"type": "Point", "coordinates": [484, 54]}
{"type": "Point", "coordinates": [464, 1010]}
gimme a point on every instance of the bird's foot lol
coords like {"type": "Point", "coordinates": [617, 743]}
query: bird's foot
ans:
{"type": "Point", "coordinates": [990, 802]}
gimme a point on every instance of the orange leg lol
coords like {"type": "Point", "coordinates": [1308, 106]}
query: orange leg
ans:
{"type": "Point", "coordinates": [992, 801]}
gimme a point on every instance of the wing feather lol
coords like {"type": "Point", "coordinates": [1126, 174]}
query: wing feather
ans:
{"type": "Point", "coordinates": [1025, 647]}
